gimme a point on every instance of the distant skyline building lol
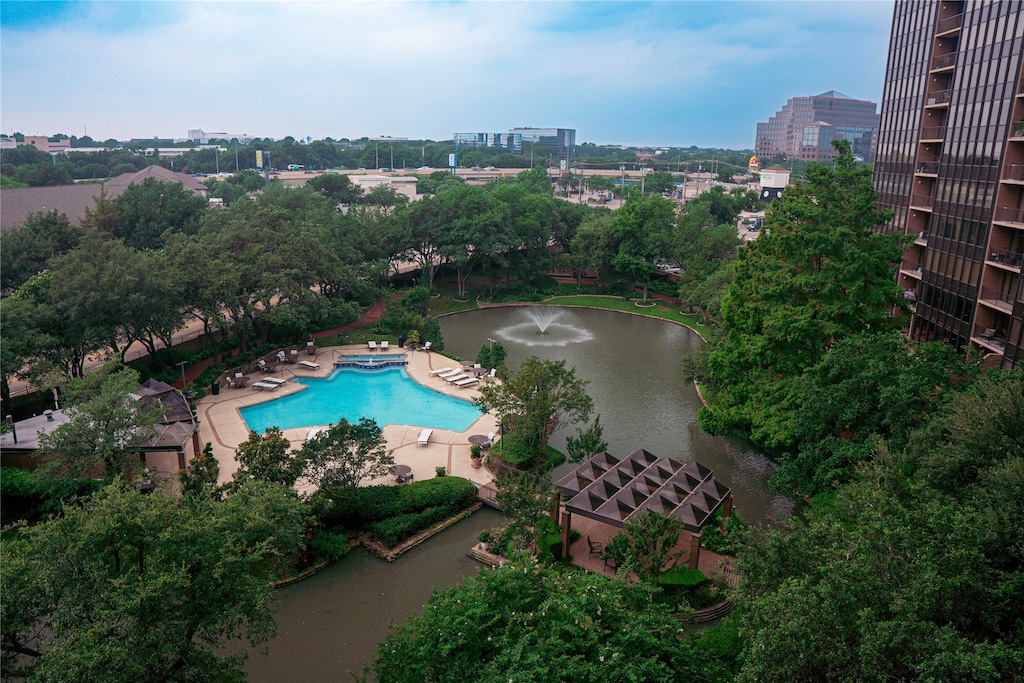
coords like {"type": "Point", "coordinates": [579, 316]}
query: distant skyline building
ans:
{"type": "Point", "coordinates": [512, 142]}
{"type": "Point", "coordinates": [806, 126]}
{"type": "Point", "coordinates": [950, 166]}
{"type": "Point", "coordinates": [564, 139]}
{"type": "Point", "coordinates": [201, 137]}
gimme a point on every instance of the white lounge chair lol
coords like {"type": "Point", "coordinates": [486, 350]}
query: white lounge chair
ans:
{"type": "Point", "coordinates": [273, 380]}
{"type": "Point", "coordinates": [265, 385]}
{"type": "Point", "coordinates": [314, 432]}
{"type": "Point", "coordinates": [466, 382]}
{"type": "Point", "coordinates": [450, 373]}
{"type": "Point", "coordinates": [372, 345]}
{"type": "Point", "coordinates": [456, 378]}
{"type": "Point", "coordinates": [424, 438]}
{"type": "Point", "coordinates": [440, 371]}
{"type": "Point", "coordinates": [309, 364]}
{"type": "Point", "coordinates": [384, 345]}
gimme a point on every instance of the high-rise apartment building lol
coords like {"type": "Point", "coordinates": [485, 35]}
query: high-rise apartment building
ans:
{"type": "Point", "coordinates": [950, 165]}
{"type": "Point", "coordinates": [806, 126]}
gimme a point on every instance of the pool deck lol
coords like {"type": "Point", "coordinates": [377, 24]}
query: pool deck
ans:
{"type": "Point", "coordinates": [221, 423]}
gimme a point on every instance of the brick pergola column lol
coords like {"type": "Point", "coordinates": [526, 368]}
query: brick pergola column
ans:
{"type": "Point", "coordinates": [694, 551]}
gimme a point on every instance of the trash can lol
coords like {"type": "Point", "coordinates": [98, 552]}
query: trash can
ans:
{"type": "Point", "coordinates": [401, 341]}
{"type": "Point", "coordinates": [215, 388]}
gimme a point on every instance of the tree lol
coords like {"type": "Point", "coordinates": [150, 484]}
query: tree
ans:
{"type": "Point", "coordinates": [151, 208]}
{"type": "Point", "coordinates": [639, 236]}
{"type": "Point", "coordinates": [524, 499]}
{"type": "Point", "coordinates": [346, 454]}
{"type": "Point", "coordinates": [524, 621]}
{"type": "Point", "coordinates": [492, 355]}
{"type": "Point", "coordinates": [587, 443]}
{"type": "Point", "coordinates": [870, 387]}
{"type": "Point", "coordinates": [537, 400]}
{"type": "Point", "coordinates": [132, 587]}
{"type": "Point", "coordinates": [200, 479]}
{"type": "Point", "coordinates": [338, 186]}
{"type": "Point", "coordinates": [818, 275]}
{"type": "Point", "coordinates": [895, 582]}
{"type": "Point", "coordinates": [647, 543]}
{"type": "Point", "coordinates": [267, 457]}
{"type": "Point", "coordinates": [25, 249]}
{"type": "Point", "coordinates": [105, 429]}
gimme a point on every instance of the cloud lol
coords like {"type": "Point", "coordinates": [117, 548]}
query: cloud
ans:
{"type": "Point", "coordinates": [670, 72]}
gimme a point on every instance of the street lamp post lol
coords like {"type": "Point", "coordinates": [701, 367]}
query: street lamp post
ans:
{"type": "Point", "coordinates": [181, 364]}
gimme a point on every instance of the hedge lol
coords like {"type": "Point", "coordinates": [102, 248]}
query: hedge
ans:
{"type": "Point", "coordinates": [394, 530]}
{"type": "Point", "coordinates": [355, 508]}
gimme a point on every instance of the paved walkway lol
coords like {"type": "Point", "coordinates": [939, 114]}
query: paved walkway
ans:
{"type": "Point", "coordinates": [221, 424]}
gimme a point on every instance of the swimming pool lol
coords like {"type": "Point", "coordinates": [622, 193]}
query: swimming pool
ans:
{"type": "Point", "coordinates": [388, 396]}
{"type": "Point", "coordinates": [374, 357]}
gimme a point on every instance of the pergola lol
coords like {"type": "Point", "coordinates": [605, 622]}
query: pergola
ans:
{"type": "Point", "coordinates": [612, 491]}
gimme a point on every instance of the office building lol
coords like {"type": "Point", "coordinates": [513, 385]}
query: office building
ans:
{"type": "Point", "coordinates": [950, 165]}
{"type": "Point", "coordinates": [806, 126]}
{"type": "Point", "coordinates": [511, 142]}
{"type": "Point", "coordinates": [564, 139]}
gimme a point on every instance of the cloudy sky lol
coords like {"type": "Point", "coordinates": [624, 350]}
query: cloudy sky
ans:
{"type": "Point", "coordinates": [655, 73]}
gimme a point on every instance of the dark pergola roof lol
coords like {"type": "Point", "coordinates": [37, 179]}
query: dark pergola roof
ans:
{"type": "Point", "coordinates": [610, 490]}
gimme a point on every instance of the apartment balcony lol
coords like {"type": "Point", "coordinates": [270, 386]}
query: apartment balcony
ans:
{"type": "Point", "coordinates": [949, 25]}
{"type": "Point", "coordinates": [1009, 216]}
{"type": "Point", "coordinates": [944, 62]}
{"type": "Point", "coordinates": [928, 168]}
{"type": "Point", "coordinates": [1013, 173]}
{"type": "Point", "coordinates": [1007, 260]}
{"type": "Point", "coordinates": [921, 203]}
{"type": "Point", "coordinates": [912, 271]}
{"type": "Point", "coordinates": [990, 338]}
{"type": "Point", "coordinates": [996, 299]}
{"type": "Point", "coordinates": [933, 133]}
{"type": "Point", "coordinates": [938, 98]}
{"type": "Point", "coordinates": [921, 239]}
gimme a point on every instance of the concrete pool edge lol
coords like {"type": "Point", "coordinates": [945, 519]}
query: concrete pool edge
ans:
{"type": "Point", "coordinates": [221, 423]}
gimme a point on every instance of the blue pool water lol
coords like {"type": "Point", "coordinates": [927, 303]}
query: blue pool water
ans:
{"type": "Point", "coordinates": [388, 396]}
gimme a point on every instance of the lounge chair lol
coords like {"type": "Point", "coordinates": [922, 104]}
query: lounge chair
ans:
{"type": "Point", "coordinates": [466, 382]}
{"type": "Point", "coordinates": [309, 364]}
{"type": "Point", "coordinates": [265, 385]}
{"type": "Point", "coordinates": [440, 371]}
{"type": "Point", "coordinates": [424, 438]}
{"type": "Point", "coordinates": [372, 345]}
{"type": "Point", "coordinates": [314, 432]}
{"type": "Point", "coordinates": [273, 380]}
{"type": "Point", "coordinates": [384, 346]}
{"type": "Point", "coordinates": [450, 373]}
{"type": "Point", "coordinates": [455, 378]}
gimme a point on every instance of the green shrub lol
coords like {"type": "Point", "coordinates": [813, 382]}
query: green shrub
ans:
{"type": "Point", "coordinates": [330, 545]}
{"type": "Point", "coordinates": [394, 530]}
{"type": "Point", "coordinates": [687, 578]}
{"type": "Point", "coordinates": [365, 504]}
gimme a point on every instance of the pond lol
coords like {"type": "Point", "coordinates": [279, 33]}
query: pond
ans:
{"type": "Point", "coordinates": [632, 364]}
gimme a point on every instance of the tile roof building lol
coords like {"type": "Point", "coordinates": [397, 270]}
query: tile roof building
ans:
{"type": "Point", "coordinates": [72, 200]}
